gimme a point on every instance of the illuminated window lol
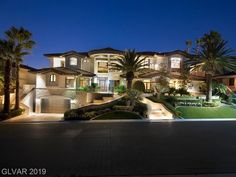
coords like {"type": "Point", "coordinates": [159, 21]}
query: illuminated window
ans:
{"type": "Point", "coordinates": [102, 67]}
{"type": "Point", "coordinates": [83, 82]}
{"type": "Point", "coordinates": [73, 61]}
{"type": "Point", "coordinates": [52, 78]}
{"type": "Point", "coordinates": [175, 62]}
{"type": "Point", "coordinates": [70, 82]}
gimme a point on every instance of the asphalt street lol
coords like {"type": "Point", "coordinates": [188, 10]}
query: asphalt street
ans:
{"type": "Point", "coordinates": [120, 148]}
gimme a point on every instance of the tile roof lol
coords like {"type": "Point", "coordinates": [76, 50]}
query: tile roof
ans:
{"type": "Point", "coordinates": [105, 50]}
{"type": "Point", "coordinates": [27, 67]}
{"type": "Point", "coordinates": [114, 51]}
{"type": "Point", "coordinates": [65, 71]}
{"type": "Point", "coordinates": [66, 53]}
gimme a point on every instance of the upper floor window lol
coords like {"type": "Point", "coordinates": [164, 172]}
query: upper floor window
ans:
{"type": "Point", "coordinates": [52, 78]}
{"type": "Point", "coordinates": [73, 61]}
{"type": "Point", "coordinates": [102, 67]}
{"type": "Point", "coordinates": [175, 62]}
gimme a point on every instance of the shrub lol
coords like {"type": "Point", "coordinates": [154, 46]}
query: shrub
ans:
{"type": "Point", "coordinates": [141, 108]}
{"type": "Point", "coordinates": [132, 97]}
{"type": "Point", "coordinates": [169, 99]}
{"type": "Point", "coordinates": [139, 85]}
{"type": "Point", "coordinates": [189, 101]}
{"type": "Point", "coordinates": [89, 115]}
{"type": "Point", "coordinates": [171, 91]}
{"type": "Point", "coordinates": [13, 113]}
{"type": "Point", "coordinates": [182, 91]}
{"type": "Point", "coordinates": [234, 100]}
{"type": "Point", "coordinates": [149, 90]}
{"type": "Point", "coordinates": [209, 104]}
{"type": "Point", "coordinates": [123, 108]}
{"type": "Point", "coordinates": [120, 89]}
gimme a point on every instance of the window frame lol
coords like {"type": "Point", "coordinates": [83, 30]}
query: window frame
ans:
{"type": "Point", "coordinates": [101, 62]}
{"type": "Point", "coordinates": [53, 78]}
{"type": "Point", "coordinates": [173, 62]}
{"type": "Point", "coordinates": [73, 59]}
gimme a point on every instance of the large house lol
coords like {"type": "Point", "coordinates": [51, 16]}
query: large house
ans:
{"type": "Point", "coordinates": [56, 88]}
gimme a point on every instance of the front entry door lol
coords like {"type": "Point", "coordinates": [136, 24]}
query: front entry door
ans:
{"type": "Point", "coordinates": [102, 83]}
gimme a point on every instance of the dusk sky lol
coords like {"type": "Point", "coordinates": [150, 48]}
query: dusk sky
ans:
{"type": "Point", "coordinates": [147, 25]}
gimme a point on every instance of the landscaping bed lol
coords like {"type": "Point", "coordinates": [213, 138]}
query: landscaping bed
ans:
{"type": "Point", "coordinates": [89, 112]}
{"type": "Point", "coordinates": [13, 113]}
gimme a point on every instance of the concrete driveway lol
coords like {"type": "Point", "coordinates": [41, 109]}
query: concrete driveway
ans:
{"type": "Point", "coordinates": [36, 117]}
{"type": "Point", "coordinates": [186, 149]}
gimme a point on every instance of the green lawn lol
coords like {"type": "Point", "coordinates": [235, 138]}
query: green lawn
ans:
{"type": "Point", "coordinates": [118, 115]}
{"type": "Point", "coordinates": [207, 112]}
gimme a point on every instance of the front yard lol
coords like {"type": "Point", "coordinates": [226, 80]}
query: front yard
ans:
{"type": "Point", "coordinates": [189, 112]}
{"type": "Point", "coordinates": [195, 108]}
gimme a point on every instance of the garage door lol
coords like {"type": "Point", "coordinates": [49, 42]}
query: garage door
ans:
{"type": "Point", "coordinates": [54, 105]}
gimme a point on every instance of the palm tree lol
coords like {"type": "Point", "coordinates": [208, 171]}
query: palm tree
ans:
{"type": "Point", "coordinates": [7, 55]}
{"type": "Point", "coordinates": [130, 63]}
{"type": "Point", "coordinates": [23, 43]}
{"type": "Point", "coordinates": [189, 45]}
{"type": "Point", "coordinates": [213, 57]}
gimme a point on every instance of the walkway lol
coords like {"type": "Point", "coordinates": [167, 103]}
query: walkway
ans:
{"type": "Point", "coordinates": [34, 117]}
{"type": "Point", "coordinates": [157, 110]}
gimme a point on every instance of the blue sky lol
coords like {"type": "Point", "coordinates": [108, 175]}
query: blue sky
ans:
{"type": "Point", "coordinates": [153, 25]}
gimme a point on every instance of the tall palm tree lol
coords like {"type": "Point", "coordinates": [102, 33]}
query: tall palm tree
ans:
{"type": "Point", "coordinates": [130, 63]}
{"type": "Point", "coordinates": [213, 58]}
{"type": "Point", "coordinates": [7, 55]}
{"type": "Point", "coordinates": [23, 43]}
{"type": "Point", "coordinates": [189, 45]}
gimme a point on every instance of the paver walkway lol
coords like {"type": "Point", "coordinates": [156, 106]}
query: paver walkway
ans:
{"type": "Point", "coordinates": [157, 110]}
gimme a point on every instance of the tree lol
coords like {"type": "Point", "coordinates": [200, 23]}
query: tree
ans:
{"type": "Point", "coordinates": [213, 57]}
{"type": "Point", "coordinates": [1, 82]}
{"type": "Point", "coordinates": [189, 45]}
{"type": "Point", "coordinates": [182, 91]}
{"type": "Point", "coordinates": [130, 64]}
{"type": "Point", "coordinates": [171, 91]}
{"type": "Point", "coordinates": [133, 96]}
{"type": "Point", "coordinates": [23, 43]}
{"type": "Point", "coordinates": [162, 85]}
{"type": "Point", "coordinates": [7, 55]}
{"type": "Point", "coordinates": [139, 85]}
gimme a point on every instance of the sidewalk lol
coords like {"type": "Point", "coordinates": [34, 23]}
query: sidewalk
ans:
{"type": "Point", "coordinates": [36, 117]}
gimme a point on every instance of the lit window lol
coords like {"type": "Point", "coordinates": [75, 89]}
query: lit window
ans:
{"type": "Point", "coordinates": [70, 82]}
{"type": "Point", "coordinates": [73, 61]}
{"type": "Point", "coordinates": [175, 62]}
{"type": "Point", "coordinates": [52, 78]}
{"type": "Point", "coordinates": [102, 67]}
